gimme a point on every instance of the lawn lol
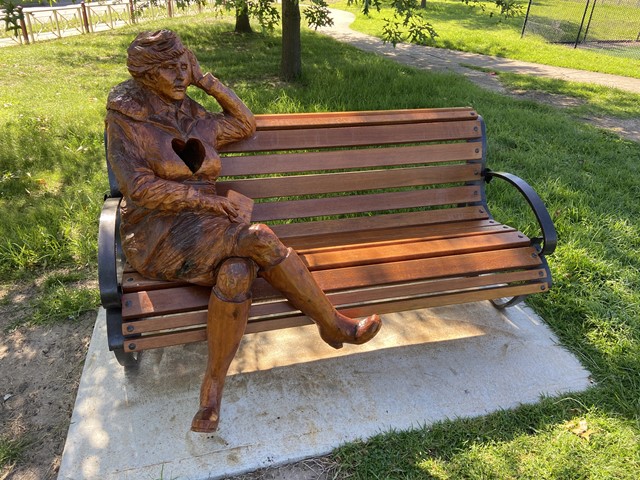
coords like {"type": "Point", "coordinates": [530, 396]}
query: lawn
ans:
{"type": "Point", "coordinates": [469, 29]}
{"type": "Point", "coordinates": [53, 177]}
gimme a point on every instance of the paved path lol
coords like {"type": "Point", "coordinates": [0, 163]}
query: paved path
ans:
{"type": "Point", "coordinates": [439, 59]}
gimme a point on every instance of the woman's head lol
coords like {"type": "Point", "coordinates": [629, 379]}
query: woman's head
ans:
{"type": "Point", "coordinates": [150, 49]}
{"type": "Point", "coordinates": [160, 61]}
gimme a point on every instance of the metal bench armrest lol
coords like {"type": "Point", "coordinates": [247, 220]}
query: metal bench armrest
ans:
{"type": "Point", "coordinates": [109, 259]}
{"type": "Point", "coordinates": [547, 244]}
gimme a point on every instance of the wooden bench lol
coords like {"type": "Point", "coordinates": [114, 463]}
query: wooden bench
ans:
{"type": "Point", "coordinates": [387, 208]}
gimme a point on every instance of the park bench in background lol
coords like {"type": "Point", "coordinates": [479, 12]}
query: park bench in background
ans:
{"type": "Point", "coordinates": [387, 208]}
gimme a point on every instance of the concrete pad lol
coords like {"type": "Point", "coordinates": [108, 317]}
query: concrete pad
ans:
{"type": "Point", "coordinates": [289, 396]}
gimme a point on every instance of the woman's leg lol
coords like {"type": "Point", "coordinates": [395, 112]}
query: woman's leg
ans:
{"type": "Point", "coordinates": [226, 322]}
{"type": "Point", "coordinates": [283, 268]}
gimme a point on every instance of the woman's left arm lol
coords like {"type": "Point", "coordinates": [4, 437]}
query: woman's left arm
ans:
{"type": "Point", "coordinates": [237, 121]}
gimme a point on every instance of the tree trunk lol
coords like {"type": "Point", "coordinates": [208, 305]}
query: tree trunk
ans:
{"type": "Point", "coordinates": [242, 19]}
{"type": "Point", "coordinates": [423, 3]}
{"type": "Point", "coordinates": [291, 62]}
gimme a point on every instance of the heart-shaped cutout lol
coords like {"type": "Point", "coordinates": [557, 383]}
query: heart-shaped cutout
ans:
{"type": "Point", "coordinates": [192, 152]}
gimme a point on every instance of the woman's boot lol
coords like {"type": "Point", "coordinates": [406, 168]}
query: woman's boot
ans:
{"type": "Point", "coordinates": [226, 323]}
{"type": "Point", "coordinates": [293, 279]}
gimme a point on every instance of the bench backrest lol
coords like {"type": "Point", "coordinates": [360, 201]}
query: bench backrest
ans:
{"type": "Point", "coordinates": [339, 169]}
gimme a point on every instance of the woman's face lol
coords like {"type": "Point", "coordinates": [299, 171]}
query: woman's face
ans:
{"type": "Point", "coordinates": [172, 78]}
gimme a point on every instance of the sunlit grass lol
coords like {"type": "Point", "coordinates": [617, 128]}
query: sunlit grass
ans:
{"type": "Point", "coordinates": [468, 29]}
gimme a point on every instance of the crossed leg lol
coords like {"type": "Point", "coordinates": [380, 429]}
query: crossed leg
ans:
{"type": "Point", "coordinates": [258, 247]}
{"type": "Point", "coordinates": [226, 322]}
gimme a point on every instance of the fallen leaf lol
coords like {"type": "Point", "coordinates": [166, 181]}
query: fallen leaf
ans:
{"type": "Point", "coordinates": [582, 430]}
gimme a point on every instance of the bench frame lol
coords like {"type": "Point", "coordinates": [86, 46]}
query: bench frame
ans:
{"type": "Point", "coordinates": [122, 336]}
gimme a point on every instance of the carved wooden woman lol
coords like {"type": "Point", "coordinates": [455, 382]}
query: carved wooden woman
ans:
{"type": "Point", "coordinates": [162, 147]}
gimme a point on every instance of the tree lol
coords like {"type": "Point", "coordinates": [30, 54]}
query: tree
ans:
{"type": "Point", "coordinates": [243, 24]}
{"type": "Point", "coordinates": [316, 15]}
{"type": "Point", "coordinates": [291, 59]}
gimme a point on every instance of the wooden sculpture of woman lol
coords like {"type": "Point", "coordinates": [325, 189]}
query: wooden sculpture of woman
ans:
{"type": "Point", "coordinates": [162, 147]}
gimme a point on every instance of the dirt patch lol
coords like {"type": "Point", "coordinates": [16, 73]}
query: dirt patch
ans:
{"type": "Point", "coordinates": [39, 376]}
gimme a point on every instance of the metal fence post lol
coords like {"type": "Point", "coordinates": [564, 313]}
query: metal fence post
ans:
{"type": "Point", "coordinates": [526, 18]}
{"type": "Point", "coordinates": [132, 11]}
{"type": "Point", "coordinates": [586, 31]}
{"type": "Point", "coordinates": [23, 26]}
{"type": "Point", "coordinates": [55, 16]}
{"type": "Point", "coordinates": [584, 15]}
{"type": "Point", "coordinates": [85, 17]}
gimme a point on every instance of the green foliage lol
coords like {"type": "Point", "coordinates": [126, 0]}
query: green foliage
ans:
{"type": "Point", "coordinates": [317, 14]}
{"type": "Point", "coordinates": [506, 8]}
{"type": "Point", "coordinates": [264, 12]}
{"type": "Point", "coordinates": [11, 16]}
{"type": "Point", "coordinates": [11, 450]}
{"type": "Point", "coordinates": [409, 19]}
{"type": "Point", "coordinates": [408, 23]}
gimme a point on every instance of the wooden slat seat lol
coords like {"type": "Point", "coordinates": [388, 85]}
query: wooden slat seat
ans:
{"type": "Point", "coordinates": [387, 209]}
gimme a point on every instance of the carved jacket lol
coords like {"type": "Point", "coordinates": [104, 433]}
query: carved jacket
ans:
{"type": "Point", "coordinates": [164, 157]}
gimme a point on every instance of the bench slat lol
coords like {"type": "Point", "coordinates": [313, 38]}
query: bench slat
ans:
{"type": "Point", "coordinates": [372, 117]}
{"type": "Point", "coordinates": [342, 299]}
{"type": "Point", "coordinates": [351, 181]}
{"type": "Point", "coordinates": [134, 281]}
{"type": "Point", "coordinates": [427, 268]}
{"type": "Point", "coordinates": [357, 136]}
{"type": "Point", "coordinates": [362, 158]}
{"type": "Point", "coordinates": [368, 255]}
{"type": "Point", "coordinates": [140, 304]}
{"type": "Point", "coordinates": [198, 335]}
{"type": "Point", "coordinates": [340, 205]}
{"type": "Point", "coordinates": [311, 234]}
{"type": "Point", "coordinates": [410, 234]}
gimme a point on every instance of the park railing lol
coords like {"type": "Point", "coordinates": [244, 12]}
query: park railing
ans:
{"type": "Point", "coordinates": [46, 23]}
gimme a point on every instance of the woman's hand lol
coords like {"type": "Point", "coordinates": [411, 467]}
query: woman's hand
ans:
{"type": "Point", "coordinates": [196, 71]}
{"type": "Point", "coordinates": [223, 206]}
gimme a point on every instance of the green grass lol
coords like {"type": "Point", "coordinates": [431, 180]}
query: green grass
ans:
{"type": "Point", "coordinates": [463, 28]}
{"type": "Point", "coordinates": [11, 450]}
{"type": "Point", "coordinates": [592, 100]}
{"type": "Point", "coordinates": [53, 175]}
{"type": "Point", "coordinates": [595, 100]}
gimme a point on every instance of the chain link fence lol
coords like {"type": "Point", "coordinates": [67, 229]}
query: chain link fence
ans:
{"type": "Point", "coordinates": [610, 25]}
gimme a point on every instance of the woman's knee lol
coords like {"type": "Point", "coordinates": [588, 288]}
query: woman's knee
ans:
{"type": "Point", "coordinates": [235, 277]}
{"type": "Point", "coordinates": [260, 243]}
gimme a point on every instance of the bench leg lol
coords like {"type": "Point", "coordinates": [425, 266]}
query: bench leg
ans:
{"type": "Point", "coordinates": [293, 279]}
{"type": "Point", "coordinates": [129, 360]}
{"type": "Point", "coordinates": [502, 303]}
{"type": "Point", "coordinates": [226, 323]}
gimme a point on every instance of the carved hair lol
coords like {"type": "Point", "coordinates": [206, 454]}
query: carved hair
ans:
{"type": "Point", "coordinates": [150, 49]}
